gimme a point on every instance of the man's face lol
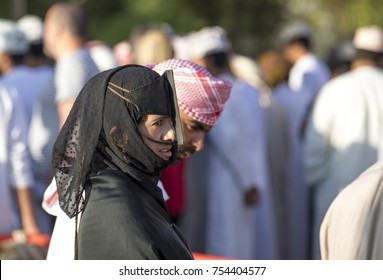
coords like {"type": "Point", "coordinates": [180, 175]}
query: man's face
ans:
{"type": "Point", "coordinates": [50, 33]}
{"type": "Point", "coordinates": [194, 136]}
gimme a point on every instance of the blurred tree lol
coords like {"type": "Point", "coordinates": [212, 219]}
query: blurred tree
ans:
{"type": "Point", "coordinates": [350, 14]}
{"type": "Point", "coordinates": [14, 9]}
{"type": "Point", "coordinates": [116, 21]}
{"type": "Point", "coordinates": [252, 26]}
{"type": "Point", "coordinates": [335, 20]}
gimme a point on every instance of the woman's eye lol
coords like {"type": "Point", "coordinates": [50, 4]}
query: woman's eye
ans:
{"type": "Point", "coordinates": [158, 123]}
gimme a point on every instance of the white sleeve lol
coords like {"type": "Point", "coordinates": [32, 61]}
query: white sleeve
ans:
{"type": "Point", "coordinates": [242, 130]}
{"type": "Point", "coordinates": [20, 163]}
{"type": "Point", "coordinates": [164, 193]}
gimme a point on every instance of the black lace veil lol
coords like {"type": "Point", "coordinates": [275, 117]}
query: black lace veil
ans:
{"type": "Point", "coordinates": [113, 100]}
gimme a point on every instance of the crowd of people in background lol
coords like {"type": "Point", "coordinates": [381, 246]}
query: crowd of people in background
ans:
{"type": "Point", "coordinates": [296, 131]}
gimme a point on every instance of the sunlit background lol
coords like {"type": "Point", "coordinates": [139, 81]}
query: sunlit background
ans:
{"type": "Point", "coordinates": [252, 25]}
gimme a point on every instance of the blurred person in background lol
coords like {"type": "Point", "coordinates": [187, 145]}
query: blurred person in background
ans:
{"type": "Point", "coordinates": [308, 72]}
{"type": "Point", "coordinates": [151, 43]}
{"type": "Point", "coordinates": [33, 28]}
{"type": "Point", "coordinates": [340, 57]}
{"type": "Point", "coordinates": [277, 133]}
{"type": "Point", "coordinates": [42, 75]}
{"type": "Point", "coordinates": [295, 240]}
{"type": "Point", "coordinates": [123, 52]}
{"type": "Point", "coordinates": [17, 208]}
{"type": "Point", "coordinates": [65, 33]}
{"type": "Point", "coordinates": [345, 131]}
{"type": "Point", "coordinates": [16, 81]}
{"type": "Point", "coordinates": [102, 54]}
{"type": "Point", "coordinates": [16, 75]}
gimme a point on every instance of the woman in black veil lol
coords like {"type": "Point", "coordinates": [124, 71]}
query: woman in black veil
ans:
{"type": "Point", "coordinates": [123, 130]}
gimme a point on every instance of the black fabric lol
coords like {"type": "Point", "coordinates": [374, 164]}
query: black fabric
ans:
{"type": "Point", "coordinates": [124, 221]}
{"type": "Point", "coordinates": [84, 145]}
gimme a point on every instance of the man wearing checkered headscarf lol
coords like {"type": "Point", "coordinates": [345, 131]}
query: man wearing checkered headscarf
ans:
{"type": "Point", "coordinates": [201, 98]}
{"type": "Point", "coordinates": [209, 93]}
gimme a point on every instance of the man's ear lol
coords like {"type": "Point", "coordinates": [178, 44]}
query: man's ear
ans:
{"type": "Point", "coordinates": [119, 137]}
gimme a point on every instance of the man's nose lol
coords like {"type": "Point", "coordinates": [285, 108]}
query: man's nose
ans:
{"type": "Point", "coordinates": [198, 141]}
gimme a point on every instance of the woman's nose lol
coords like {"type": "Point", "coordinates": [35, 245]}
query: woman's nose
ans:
{"type": "Point", "coordinates": [170, 133]}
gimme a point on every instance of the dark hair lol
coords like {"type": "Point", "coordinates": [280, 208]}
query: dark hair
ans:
{"type": "Point", "coordinates": [365, 54]}
{"type": "Point", "coordinates": [17, 59]}
{"type": "Point", "coordinates": [220, 59]}
{"type": "Point", "coordinates": [304, 41]}
{"type": "Point", "coordinates": [37, 49]}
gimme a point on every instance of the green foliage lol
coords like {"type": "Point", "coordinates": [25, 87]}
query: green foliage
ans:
{"type": "Point", "coordinates": [252, 25]}
{"type": "Point", "coordinates": [249, 24]}
{"type": "Point", "coordinates": [118, 23]}
{"type": "Point", "coordinates": [347, 15]}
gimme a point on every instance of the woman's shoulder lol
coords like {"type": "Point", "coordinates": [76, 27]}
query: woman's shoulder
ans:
{"type": "Point", "coordinates": [111, 184]}
{"type": "Point", "coordinates": [111, 178]}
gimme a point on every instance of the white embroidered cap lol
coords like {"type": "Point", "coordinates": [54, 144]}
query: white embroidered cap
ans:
{"type": "Point", "coordinates": [33, 28]}
{"type": "Point", "coordinates": [12, 39]}
{"type": "Point", "coordinates": [198, 44]}
{"type": "Point", "coordinates": [369, 38]}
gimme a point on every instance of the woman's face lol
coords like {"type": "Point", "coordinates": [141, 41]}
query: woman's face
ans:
{"type": "Point", "coordinates": [158, 128]}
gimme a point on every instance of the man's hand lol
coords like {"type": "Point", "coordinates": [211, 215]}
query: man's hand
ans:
{"type": "Point", "coordinates": [252, 196]}
{"type": "Point", "coordinates": [27, 211]}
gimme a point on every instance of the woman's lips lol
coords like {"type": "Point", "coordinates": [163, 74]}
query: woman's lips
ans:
{"type": "Point", "coordinates": [166, 152]}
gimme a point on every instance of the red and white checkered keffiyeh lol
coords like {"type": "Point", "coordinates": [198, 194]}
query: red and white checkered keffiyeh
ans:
{"type": "Point", "coordinates": [200, 95]}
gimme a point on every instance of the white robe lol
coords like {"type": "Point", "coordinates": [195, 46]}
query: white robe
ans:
{"type": "Point", "coordinates": [15, 169]}
{"type": "Point", "coordinates": [297, 219]}
{"type": "Point", "coordinates": [343, 137]}
{"type": "Point", "coordinates": [308, 75]}
{"type": "Point", "coordinates": [62, 243]}
{"type": "Point", "coordinates": [353, 226]}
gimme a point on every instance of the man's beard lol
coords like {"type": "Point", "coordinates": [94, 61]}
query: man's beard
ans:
{"type": "Point", "coordinates": [184, 152]}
